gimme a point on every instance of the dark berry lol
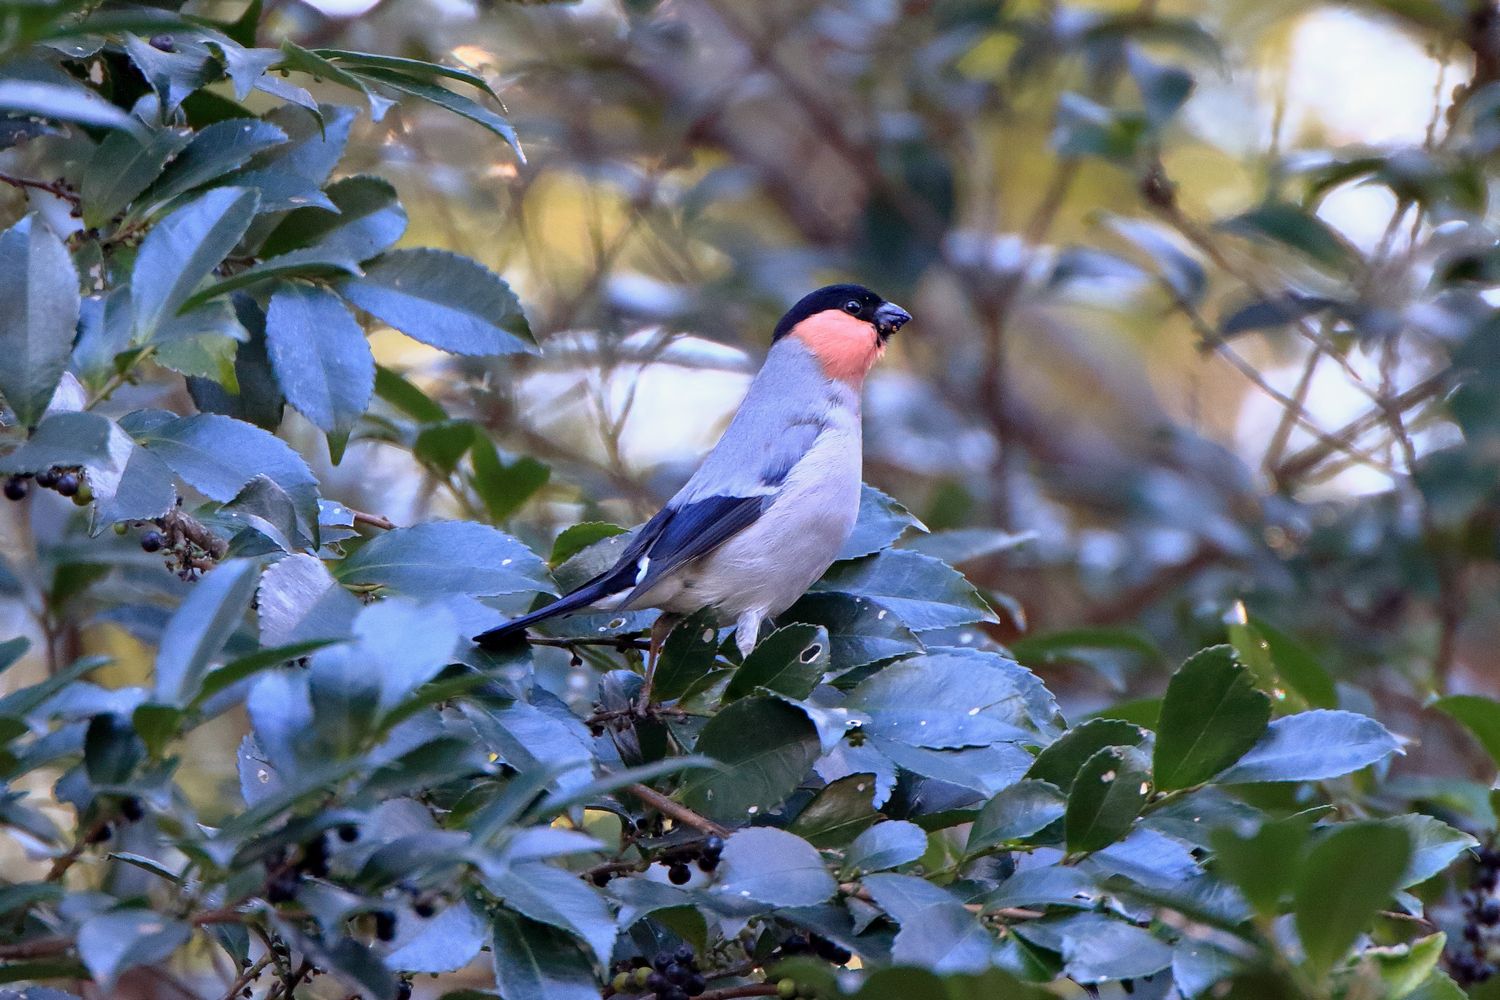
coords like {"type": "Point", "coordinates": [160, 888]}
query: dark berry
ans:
{"type": "Point", "coordinates": [67, 483]}
{"type": "Point", "coordinates": [661, 962]}
{"type": "Point", "coordinates": [695, 985]}
{"type": "Point", "coordinates": [684, 954]}
{"type": "Point", "coordinates": [840, 956]}
{"type": "Point", "coordinates": [283, 888]}
{"type": "Point", "coordinates": [794, 945]}
{"type": "Point", "coordinates": [1471, 932]}
{"type": "Point", "coordinates": [47, 479]}
{"type": "Point", "coordinates": [1128, 985]}
{"type": "Point", "coordinates": [679, 874]}
{"type": "Point", "coordinates": [678, 975]}
{"type": "Point", "coordinates": [101, 833]}
{"type": "Point", "coordinates": [132, 809]}
{"type": "Point", "coordinates": [151, 541]}
{"type": "Point", "coordinates": [424, 908]}
{"type": "Point", "coordinates": [600, 878]}
{"type": "Point", "coordinates": [1488, 856]}
{"type": "Point", "coordinates": [385, 924]}
{"type": "Point", "coordinates": [713, 846]}
{"type": "Point", "coordinates": [348, 832]}
{"type": "Point", "coordinates": [315, 856]}
{"type": "Point", "coordinates": [403, 990]}
{"type": "Point", "coordinates": [164, 43]}
{"type": "Point", "coordinates": [656, 982]}
{"type": "Point", "coordinates": [1489, 912]}
{"type": "Point", "coordinates": [673, 993]}
{"type": "Point", "coordinates": [15, 488]}
{"type": "Point", "coordinates": [708, 864]}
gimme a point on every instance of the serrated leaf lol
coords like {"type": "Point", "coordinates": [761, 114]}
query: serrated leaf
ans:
{"type": "Point", "coordinates": [440, 298]}
{"type": "Point", "coordinates": [1107, 795]}
{"type": "Point", "coordinates": [534, 960]}
{"type": "Point", "coordinates": [183, 249]}
{"type": "Point", "coordinates": [760, 773]}
{"type": "Point", "coordinates": [201, 626]}
{"type": "Point", "coordinates": [789, 661]}
{"type": "Point", "coordinates": [122, 167]}
{"type": "Point", "coordinates": [1025, 808]}
{"type": "Point", "coordinates": [773, 867]}
{"type": "Point", "coordinates": [1312, 746]}
{"type": "Point", "coordinates": [937, 931]}
{"type": "Point", "coordinates": [1211, 715]}
{"type": "Point", "coordinates": [39, 287]}
{"type": "Point", "coordinates": [1479, 715]}
{"type": "Point", "coordinates": [369, 219]}
{"type": "Point", "coordinates": [882, 520]}
{"type": "Point", "coordinates": [841, 809]}
{"type": "Point", "coordinates": [447, 557]}
{"type": "Point", "coordinates": [885, 845]}
{"type": "Point", "coordinates": [1059, 762]}
{"type": "Point", "coordinates": [861, 631]}
{"type": "Point", "coordinates": [553, 896]}
{"type": "Point", "coordinates": [575, 538]}
{"type": "Point", "coordinates": [214, 151]}
{"type": "Point", "coordinates": [923, 592]}
{"type": "Point", "coordinates": [320, 356]}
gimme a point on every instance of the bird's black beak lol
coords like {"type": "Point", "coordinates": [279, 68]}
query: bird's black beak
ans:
{"type": "Point", "coordinates": [889, 318]}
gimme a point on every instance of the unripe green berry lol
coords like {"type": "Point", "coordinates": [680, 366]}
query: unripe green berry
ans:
{"type": "Point", "coordinates": [622, 982]}
{"type": "Point", "coordinates": [641, 975]}
{"type": "Point", "coordinates": [786, 989]}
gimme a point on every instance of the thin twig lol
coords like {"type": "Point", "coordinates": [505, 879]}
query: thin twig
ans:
{"type": "Point", "coordinates": [676, 810]}
{"type": "Point", "coordinates": [58, 188]}
{"type": "Point", "coordinates": [373, 520]}
{"type": "Point", "coordinates": [247, 977]}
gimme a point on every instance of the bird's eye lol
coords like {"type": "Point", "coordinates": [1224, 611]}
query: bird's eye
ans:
{"type": "Point", "coordinates": [852, 307]}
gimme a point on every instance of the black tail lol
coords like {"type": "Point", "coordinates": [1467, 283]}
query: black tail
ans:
{"type": "Point", "coordinates": [585, 595]}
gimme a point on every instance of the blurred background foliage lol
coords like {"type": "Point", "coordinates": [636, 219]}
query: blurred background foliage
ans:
{"type": "Point", "coordinates": [1193, 283]}
{"type": "Point", "coordinates": [1204, 343]}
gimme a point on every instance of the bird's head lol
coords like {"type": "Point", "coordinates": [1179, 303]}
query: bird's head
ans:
{"type": "Point", "coordinates": [845, 327]}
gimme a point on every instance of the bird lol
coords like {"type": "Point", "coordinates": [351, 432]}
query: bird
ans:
{"type": "Point", "coordinates": [771, 505]}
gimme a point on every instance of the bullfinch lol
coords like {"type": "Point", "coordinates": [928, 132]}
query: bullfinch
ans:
{"type": "Point", "coordinates": [773, 503]}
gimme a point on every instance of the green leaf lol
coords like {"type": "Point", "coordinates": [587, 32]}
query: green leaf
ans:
{"type": "Point", "coordinates": [1025, 808]}
{"type": "Point", "coordinates": [295, 57]}
{"type": "Point", "coordinates": [1479, 715]}
{"type": "Point", "coordinates": [127, 481]}
{"type": "Point", "coordinates": [1108, 794]}
{"type": "Point", "coordinates": [1331, 908]}
{"type": "Point", "coordinates": [409, 67]}
{"type": "Point", "coordinates": [201, 626]}
{"type": "Point", "coordinates": [320, 356]}
{"type": "Point", "coordinates": [950, 698]}
{"type": "Point", "coordinates": [215, 151]}
{"type": "Point", "coordinates": [1297, 667]}
{"type": "Point", "coordinates": [113, 942]}
{"type": "Point", "coordinates": [882, 520]}
{"type": "Point", "coordinates": [1164, 89]}
{"type": "Point", "coordinates": [1312, 746]}
{"type": "Point", "coordinates": [862, 632]}
{"type": "Point", "coordinates": [534, 960]}
{"type": "Point", "coordinates": [504, 486]}
{"type": "Point", "coordinates": [218, 455]}
{"type": "Point", "coordinates": [840, 810]}
{"type": "Point", "coordinates": [447, 557]}
{"type": "Point", "coordinates": [923, 592]}
{"type": "Point", "coordinates": [1059, 762]}
{"type": "Point", "coordinates": [789, 661]}
{"type": "Point", "coordinates": [574, 539]}
{"type": "Point", "coordinates": [937, 931]}
{"type": "Point", "coordinates": [885, 845]}
{"type": "Point", "coordinates": [441, 446]}
{"type": "Point", "coordinates": [444, 943]}
{"type": "Point", "coordinates": [1086, 128]}
{"type": "Point", "coordinates": [183, 249]}
{"type": "Point", "coordinates": [447, 99]}
{"type": "Point", "coordinates": [1097, 948]}
{"type": "Point", "coordinates": [1263, 864]}
{"type": "Point", "coordinates": [1405, 967]}
{"type": "Point", "coordinates": [253, 663]}
{"type": "Point", "coordinates": [451, 302]}
{"type": "Point", "coordinates": [40, 290]}
{"type": "Point", "coordinates": [553, 896]}
{"type": "Point", "coordinates": [1054, 885]}
{"type": "Point", "coordinates": [62, 103]}
{"type": "Point", "coordinates": [122, 167]}
{"type": "Point", "coordinates": [773, 867]}
{"type": "Point", "coordinates": [111, 750]}
{"type": "Point", "coordinates": [369, 219]}
{"type": "Point", "coordinates": [1297, 229]}
{"type": "Point", "coordinates": [173, 75]}
{"type": "Point", "coordinates": [688, 654]}
{"type": "Point", "coordinates": [1211, 716]}
{"type": "Point", "coordinates": [761, 772]}
{"type": "Point", "coordinates": [1435, 846]}
{"type": "Point", "coordinates": [406, 397]}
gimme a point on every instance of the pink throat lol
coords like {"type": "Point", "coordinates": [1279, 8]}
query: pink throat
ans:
{"type": "Point", "coordinates": [846, 348]}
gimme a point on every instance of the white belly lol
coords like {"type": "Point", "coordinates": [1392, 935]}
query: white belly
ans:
{"type": "Point", "coordinates": [770, 564]}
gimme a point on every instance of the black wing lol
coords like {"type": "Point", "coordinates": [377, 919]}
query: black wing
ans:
{"type": "Point", "coordinates": [675, 536]}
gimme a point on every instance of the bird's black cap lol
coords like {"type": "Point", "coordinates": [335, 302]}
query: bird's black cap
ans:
{"type": "Point", "coordinates": [856, 300]}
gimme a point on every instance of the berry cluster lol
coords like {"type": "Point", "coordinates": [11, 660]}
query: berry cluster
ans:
{"type": "Point", "coordinates": [132, 810]}
{"type": "Point", "coordinates": [790, 989]}
{"type": "Point", "coordinates": [1471, 963]}
{"type": "Point", "coordinates": [286, 874]}
{"type": "Point", "coordinates": [672, 975]}
{"type": "Point", "coordinates": [708, 853]}
{"type": "Point", "coordinates": [814, 944]}
{"type": "Point", "coordinates": [69, 482]}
